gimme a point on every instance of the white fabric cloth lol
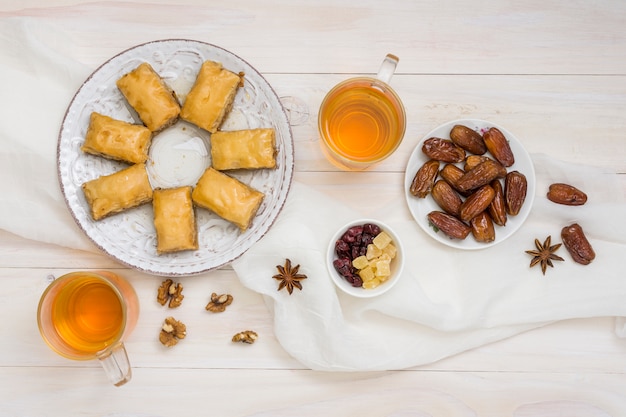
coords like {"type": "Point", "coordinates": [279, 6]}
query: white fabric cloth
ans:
{"type": "Point", "coordinates": [447, 300]}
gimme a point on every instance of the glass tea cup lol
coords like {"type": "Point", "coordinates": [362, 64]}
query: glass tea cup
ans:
{"type": "Point", "coordinates": [362, 120]}
{"type": "Point", "coordinates": [88, 315]}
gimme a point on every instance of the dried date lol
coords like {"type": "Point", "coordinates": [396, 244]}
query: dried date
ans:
{"type": "Point", "coordinates": [498, 146]}
{"type": "Point", "coordinates": [452, 173]}
{"type": "Point", "coordinates": [448, 224]}
{"type": "Point", "coordinates": [566, 194]}
{"type": "Point", "coordinates": [468, 139]}
{"type": "Point", "coordinates": [476, 203]}
{"type": "Point", "coordinates": [424, 178]}
{"type": "Point", "coordinates": [445, 196]}
{"type": "Point", "coordinates": [443, 150]}
{"type": "Point", "coordinates": [577, 245]}
{"type": "Point", "coordinates": [482, 228]}
{"type": "Point", "coordinates": [482, 174]}
{"type": "Point", "coordinates": [497, 208]}
{"type": "Point", "coordinates": [515, 187]}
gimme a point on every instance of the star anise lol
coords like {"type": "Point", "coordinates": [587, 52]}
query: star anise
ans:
{"type": "Point", "coordinates": [544, 254]}
{"type": "Point", "coordinates": [289, 277]}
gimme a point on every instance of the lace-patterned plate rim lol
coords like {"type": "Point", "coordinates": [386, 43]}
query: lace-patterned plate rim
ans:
{"type": "Point", "coordinates": [129, 237]}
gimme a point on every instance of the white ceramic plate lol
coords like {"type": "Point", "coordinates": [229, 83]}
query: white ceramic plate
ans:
{"type": "Point", "coordinates": [420, 207]}
{"type": "Point", "coordinates": [178, 156]}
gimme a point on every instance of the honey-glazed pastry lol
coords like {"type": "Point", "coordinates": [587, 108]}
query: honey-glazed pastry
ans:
{"type": "Point", "coordinates": [116, 139]}
{"type": "Point", "coordinates": [211, 96]}
{"type": "Point", "coordinates": [243, 149]}
{"type": "Point", "coordinates": [122, 190]}
{"type": "Point", "coordinates": [152, 99]}
{"type": "Point", "coordinates": [227, 197]}
{"type": "Point", "coordinates": [174, 220]}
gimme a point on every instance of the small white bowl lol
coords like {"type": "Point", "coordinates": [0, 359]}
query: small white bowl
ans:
{"type": "Point", "coordinates": [397, 264]}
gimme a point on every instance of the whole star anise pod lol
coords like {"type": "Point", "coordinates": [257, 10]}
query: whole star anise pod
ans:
{"type": "Point", "coordinates": [289, 277]}
{"type": "Point", "coordinates": [544, 254]}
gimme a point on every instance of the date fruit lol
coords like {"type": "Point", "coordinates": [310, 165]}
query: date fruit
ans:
{"type": "Point", "coordinates": [468, 139]}
{"type": "Point", "coordinates": [472, 161]}
{"type": "Point", "coordinates": [452, 173]}
{"type": "Point", "coordinates": [577, 245]}
{"type": "Point", "coordinates": [482, 174]}
{"type": "Point", "coordinates": [476, 203]}
{"type": "Point", "coordinates": [448, 224]}
{"type": "Point", "coordinates": [497, 208]}
{"type": "Point", "coordinates": [424, 178]}
{"type": "Point", "coordinates": [566, 194]}
{"type": "Point", "coordinates": [482, 228]}
{"type": "Point", "coordinates": [443, 150]}
{"type": "Point", "coordinates": [498, 146]}
{"type": "Point", "coordinates": [445, 196]}
{"type": "Point", "coordinates": [515, 187]}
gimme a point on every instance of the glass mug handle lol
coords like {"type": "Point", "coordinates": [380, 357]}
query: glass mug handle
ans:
{"type": "Point", "coordinates": [387, 68]}
{"type": "Point", "coordinates": [116, 365]}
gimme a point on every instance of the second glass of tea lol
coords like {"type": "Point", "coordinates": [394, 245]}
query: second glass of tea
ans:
{"type": "Point", "coordinates": [362, 120]}
{"type": "Point", "coordinates": [87, 315]}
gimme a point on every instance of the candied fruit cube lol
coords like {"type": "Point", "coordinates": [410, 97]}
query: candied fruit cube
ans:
{"type": "Point", "coordinates": [382, 240]}
{"type": "Point", "coordinates": [383, 268]}
{"type": "Point", "coordinates": [373, 252]}
{"type": "Point", "coordinates": [373, 283]}
{"type": "Point", "coordinates": [360, 262]}
{"type": "Point", "coordinates": [391, 250]}
{"type": "Point", "coordinates": [367, 274]}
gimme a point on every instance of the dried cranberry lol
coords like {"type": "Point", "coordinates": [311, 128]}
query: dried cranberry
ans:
{"type": "Point", "coordinates": [371, 229]}
{"type": "Point", "coordinates": [356, 281]}
{"type": "Point", "coordinates": [342, 248]}
{"type": "Point", "coordinates": [366, 239]}
{"type": "Point", "coordinates": [343, 266]}
{"type": "Point", "coordinates": [355, 251]}
{"type": "Point", "coordinates": [352, 233]}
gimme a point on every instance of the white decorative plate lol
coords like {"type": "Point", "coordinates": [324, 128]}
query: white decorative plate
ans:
{"type": "Point", "coordinates": [178, 156]}
{"type": "Point", "coordinates": [420, 207]}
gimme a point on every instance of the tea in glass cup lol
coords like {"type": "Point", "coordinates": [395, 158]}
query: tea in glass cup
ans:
{"type": "Point", "coordinates": [362, 120]}
{"type": "Point", "coordinates": [88, 315]}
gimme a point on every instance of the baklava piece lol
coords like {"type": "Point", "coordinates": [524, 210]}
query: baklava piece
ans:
{"type": "Point", "coordinates": [152, 99]}
{"type": "Point", "coordinates": [227, 197]}
{"type": "Point", "coordinates": [174, 220]}
{"type": "Point", "coordinates": [125, 189]}
{"type": "Point", "coordinates": [211, 96]}
{"type": "Point", "coordinates": [243, 149]}
{"type": "Point", "coordinates": [116, 139]}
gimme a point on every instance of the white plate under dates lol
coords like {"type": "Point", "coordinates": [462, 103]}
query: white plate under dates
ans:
{"type": "Point", "coordinates": [181, 155]}
{"type": "Point", "coordinates": [420, 207]}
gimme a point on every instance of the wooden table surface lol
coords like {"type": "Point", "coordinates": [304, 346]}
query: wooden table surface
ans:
{"type": "Point", "coordinates": [553, 72]}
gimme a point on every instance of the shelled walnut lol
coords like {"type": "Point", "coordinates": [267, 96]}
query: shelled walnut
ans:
{"type": "Point", "coordinates": [172, 331]}
{"type": "Point", "coordinates": [219, 303]}
{"type": "Point", "coordinates": [247, 336]}
{"type": "Point", "coordinates": [170, 291]}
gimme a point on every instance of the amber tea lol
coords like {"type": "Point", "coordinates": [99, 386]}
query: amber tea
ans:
{"type": "Point", "coordinates": [87, 315]}
{"type": "Point", "coordinates": [362, 120]}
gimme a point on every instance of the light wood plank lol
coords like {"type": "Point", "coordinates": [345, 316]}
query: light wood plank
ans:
{"type": "Point", "coordinates": [52, 391]}
{"type": "Point", "coordinates": [453, 37]}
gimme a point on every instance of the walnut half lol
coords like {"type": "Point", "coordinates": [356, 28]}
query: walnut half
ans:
{"type": "Point", "coordinates": [169, 290]}
{"type": "Point", "coordinates": [172, 331]}
{"type": "Point", "coordinates": [219, 303]}
{"type": "Point", "coordinates": [247, 336]}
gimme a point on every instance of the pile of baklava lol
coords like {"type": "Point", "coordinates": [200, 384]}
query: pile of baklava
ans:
{"type": "Point", "coordinates": [207, 104]}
